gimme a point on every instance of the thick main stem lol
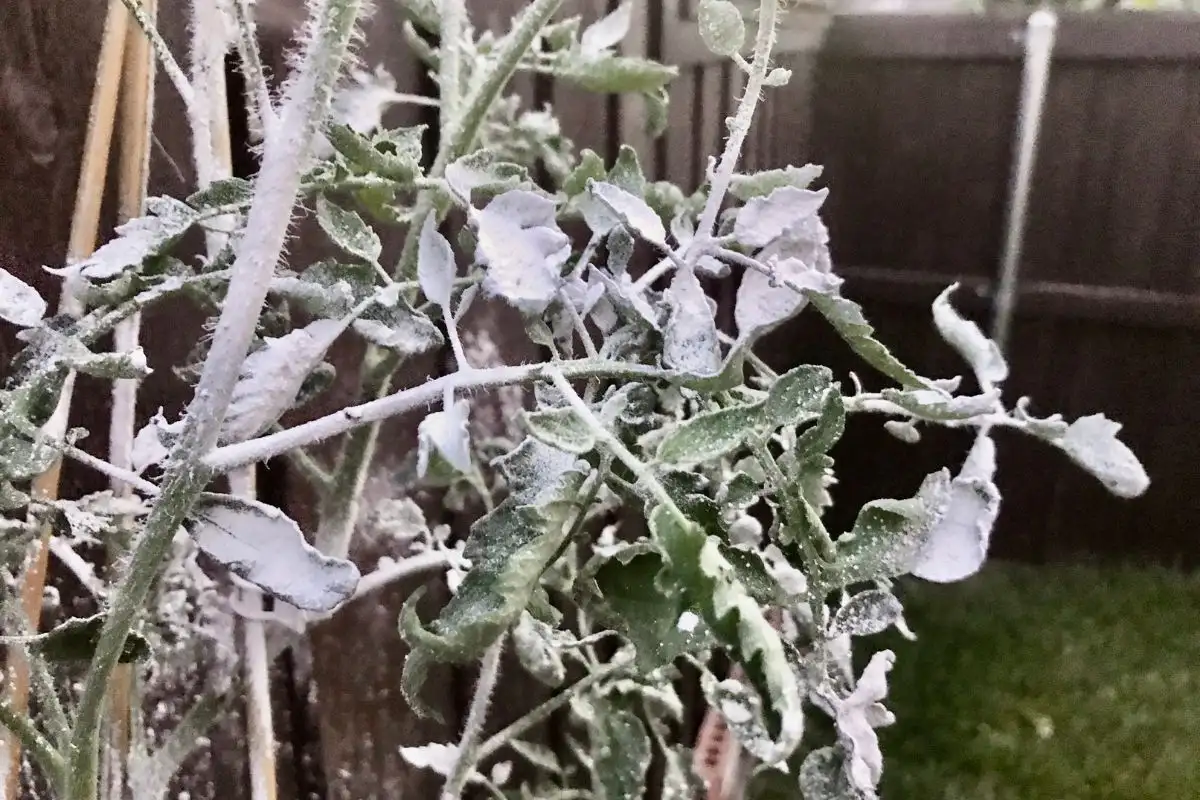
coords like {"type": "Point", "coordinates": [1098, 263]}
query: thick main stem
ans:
{"type": "Point", "coordinates": [287, 152]}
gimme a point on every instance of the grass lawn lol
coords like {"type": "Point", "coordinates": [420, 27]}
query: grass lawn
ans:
{"type": "Point", "coordinates": [1049, 683]}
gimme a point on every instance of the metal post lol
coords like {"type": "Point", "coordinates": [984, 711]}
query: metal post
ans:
{"type": "Point", "coordinates": [1039, 47]}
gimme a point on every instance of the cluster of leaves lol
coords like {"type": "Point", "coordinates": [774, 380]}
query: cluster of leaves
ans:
{"type": "Point", "coordinates": [644, 412]}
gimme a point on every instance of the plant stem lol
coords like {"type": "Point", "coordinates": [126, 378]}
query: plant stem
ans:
{"type": "Point", "coordinates": [230, 456]}
{"type": "Point", "coordinates": [814, 539]}
{"type": "Point", "coordinates": [39, 746]}
{"type": "Point", "coordinates": [543, 712]}
{"type": "Point", "coordinates": [453, 18]}
{"type": "Point", "coordinates": [764, 43]}
{"type": "Point", "coordinates": [287, 151]}
{"type": "Point", "coordinates": [258, 93]}
{"type": "Point", "coordinates": [468, 745]}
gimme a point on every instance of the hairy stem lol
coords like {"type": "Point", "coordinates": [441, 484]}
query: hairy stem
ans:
{"type": "Point", "coordinates": [468, 745]}
{"type": "Point", "coordinates": [764, 43]}
{"type": "Point", "coordinates": [39, 747]}
{"type": "Point", "coordinates": [258, 93]}
{"type": "Point", "coordinates": [287, 151]}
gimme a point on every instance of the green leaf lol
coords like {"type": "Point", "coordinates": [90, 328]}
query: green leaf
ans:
{"type": "Point", "coordinates": [509, 549]}
{"type": "Point", "coordinates": [821, 437]}
{"type": "Point", "coordinates": [395, 154]}
{"type": "Point", "coordinates": [847, 319]}
{"type": "Point", "coordinates": [710, 435]}
{"type": "Point", "coordinates": [797, 395]}
{"type": "Point", "coordinates": [11, 498]}
{"type": "Point", "coordinates": [560, 428]}
{"type": "Point", "coordinates": [620, 751]}
{"type": "Point", "coordinates": [697, 566]}
{"type": "Point", "coordinates": [721, 27]}
{"type": "Point", "coordinates": [761, 184]}
{"type": "Point", "coordinates": [888, 535]}
{"type": "Point", "coordinates": [590, 167]}
{"type": "Point", "coordinates": [348, 231]}
{"type": "Point", "coordinates": [225, 192]}
{"type": "Point", "coordinates": [618, 74]}
{"type": "Point", "coordinates": [633, 605]}
{"type": "Point", "coordinates": [627, 172]}
{"type": "Point", "coordinates": [21, 459]}
{"type": "Point", "coordinates": [76, 640]}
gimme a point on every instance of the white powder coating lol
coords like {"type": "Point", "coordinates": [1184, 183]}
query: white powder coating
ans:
{"type": "Point", "coordinates": [690, 340]}
{"type": "Point", "coordinates": [1092, 443]}
{"type": "Point", "coordinates": [687, 622]}
{"type": "Point", "coordinates": [20, 303]}
{"type": "Point", "coordinates": [628, 209]}
{"type": "Point", "coordinates": [764, 219]}
{"type": "Point", "coordinates": [261, 544]}
{"type": "Point", "coordinates": [435, 756]}
{"type": "Point", "coordinates": [978, 350]}
{"type": "Point", "coordinates": [523, 249]}
{"type": "Point", "coordinates": [607, 31]}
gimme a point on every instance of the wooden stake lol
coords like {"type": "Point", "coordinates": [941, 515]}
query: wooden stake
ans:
{"type": "Point", "coordinates": [85, 227]}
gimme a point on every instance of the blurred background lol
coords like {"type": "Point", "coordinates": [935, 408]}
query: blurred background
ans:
{"type": "Point", "coordinates": [1068, 669]}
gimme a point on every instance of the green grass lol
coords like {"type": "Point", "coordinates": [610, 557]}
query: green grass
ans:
{"type": "Point", "coordinates": [1058, 683]}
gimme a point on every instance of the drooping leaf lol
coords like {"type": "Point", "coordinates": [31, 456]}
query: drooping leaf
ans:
{"type": "Point", "coordinates": [888, 535]}
{"type": "Point", "coordinates": [710, 435]}
{"type": "Point", "coordinates": [958, 544]}
{"type": "Point", "coordinates": [1092, 443]}
{"type": "Point", "coordinates": [978, 350]}
{"type": "Point", "coordinates": [523, 249]}
{"type": "Point", "coordinates": [509, 549]}
{"type": "Point", "coordinates": [721, 27]}
{"type": "Point", "coordinates": [830, 425]}
{"type": "Point", "coordinates": [436, 267]}
{"type": "Point", "coordinates": [608, 31]}
{"type": "Point", "coordinates": [867, 613]}
{"type": "Point", "coordinates": [139, 239]}
{"type": "Point", "coordinates": [764, 219]}
{"type": "Point", "coordinates": [560, 428]}
{"type": "Point", "coordinates": [847, 319]}
{"type": "Point", "coordinates": [260, 544]}
{"type": "Point", "coordinates": [690, 341]}
{"type": "Point", "coordinates": [796, 396]}
{"type": "Point", "coordinates": [348, 230]}
{"type": "Point", "coordinates": [20, 303]}
{"type": "Point", "coordinates": [761, 184]}
{"type": "Point", "coordinates": [271, 378]}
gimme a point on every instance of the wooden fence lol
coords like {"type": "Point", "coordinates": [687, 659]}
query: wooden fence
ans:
{"type": "Point", "coordinates": [913, 119]}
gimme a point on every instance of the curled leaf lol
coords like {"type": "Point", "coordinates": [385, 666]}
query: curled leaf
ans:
{"type": "Point", "coordinates": [523, 249]}
{"type": "Point", "coordinates": [978, 350]}
{"type": "Point", "coordinates": [1092, 443]}
{"type": "Point", "coordinates": [608, 31]}
{"type": "Point", "coordinates": [262, 545]}
{"type": "Point", "coordinates": [626, 209]}
{"type": "Point", "coordinates": [446, 433]}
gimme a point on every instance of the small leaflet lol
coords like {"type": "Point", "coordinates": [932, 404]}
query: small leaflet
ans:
{"type": "Point", "coordinates": [721, 27]}
{"type": "Point", "coordinates": [627, 209]}
{"type": "Point", "coordinates": [607, 32]}
{"type": "Point", "coordinates": [978, 350]}
{"type": "Point", "coordinates": [441, 758]}
{"type": "Point", "coordinates": [445, 433]}
{"type": "Point", "coordinates": [435, 264]}
{"type": "Point", "coordinates": [767, 301]}
{"type": "Point", "coordinates": [20, 303]}
{"type": "Point", "coordinates": [348, 231]}
{"type": "Point", "coordinates": [761, 184]}
{"type": "Point", "coordinates": [262, 545]}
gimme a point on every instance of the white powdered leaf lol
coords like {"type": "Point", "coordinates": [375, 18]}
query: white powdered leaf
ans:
{"type": "Point", "coordinates": [20, 303]}
{"type": "Point", "coordinates": [978, 350]}
{"type": "Point", "coordinates": [762, 305]}
{"type": "Point", "coordinates": [441, 758]}
{"type": "Point", "coordinates": [867, 613]}
{"type": "Point", "coordinates": [523, 249]}
{"type": "Point", "coordinates": [139, 239]}
{"type": "Point", "coordinates": [606, 32]}
{"type": "Point", "coordinates": [690, 341]}
{"type": "Point", "coordinates": [501, 772]}
{"type": "Point", "coordinates": [360, 105]}
{"type": "Point", "coordinates": [435, 264]}
{"type": "Point", "coordinates": [152, 444]}
{"type": "Point", "coordinates": [631, 211]}
{"type": "Point", "coordinates": [721, 26]}
{"type": "Point", "coordinates": [271, 378]}
{"type": "Point", "coordinates": [1092, 443]}
{"type": "Point", "coordinates": [261, 544]}
{"type": "Point", "coordinates": [764, 219]}
{"type": "Point", "coordinates": [446, 433]}
{"type": "Point", "coordinates": [408, 335]}
{"type": "Point", "coordinates": [348, 230]}
{"type": "Point", "coordinates": [957, 545]}
{"type": "Point", "coordinates": [538, 651]}
{"type": "Point", "coordinates": [856, 718]}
